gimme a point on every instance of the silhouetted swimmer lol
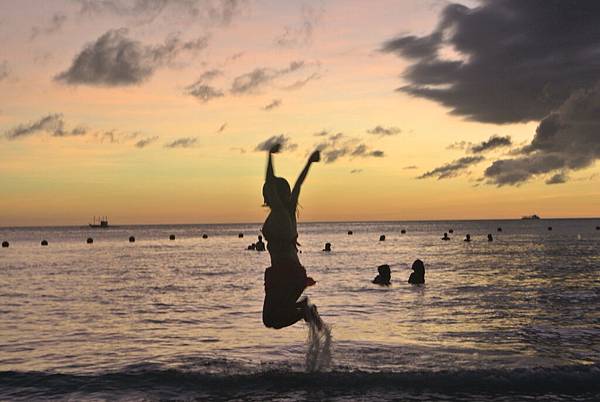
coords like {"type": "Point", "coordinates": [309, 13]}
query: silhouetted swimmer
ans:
{"type": "Point", "coordinates": [382, 238]}
{"type": "Point", "coordinates": [131, 239]}
{"type": "Point", "coordinates": [260, 244]}
{"type": "Point", "coordinates": [240, 235]}
{"type": "Point", "coordinates": [490, 237]}
{"type": "Point", "coordinates": [597, 227]}
{"type": "Point", "coordinates": [252, 247]}
{"type": "Point", "coordinates": [550, 228]}
{"type": "Point", "coordinates": [205, 236]}
{"type": "Point", "coordinates": [417, 277]}
{"type": "Point", "coordinates": [403, 231]}
{"type": "Point", "coordinates": [385, 275]}
{"type": "Point", "coordinates": [445, 236]}
{"type": "Point", "coordinates": [499, 229]}
{"type": "Point", "coordinates": [468, 237]}
{"type": "Point", "coordinates": [44, 242]}
{"type": "Point", "coordinates": [89, 240]}
{"type": "Point", "coordinates": [327, 247]}
{"type": "Point", "coordinates": [5, 244]}
{"type": "Point", "coordinates": [350, 232]}
{"type": "Point", "coordinates": [451, 231]}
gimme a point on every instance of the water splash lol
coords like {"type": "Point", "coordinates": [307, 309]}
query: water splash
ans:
{"type": "Point", "coordinates": [318, 353]}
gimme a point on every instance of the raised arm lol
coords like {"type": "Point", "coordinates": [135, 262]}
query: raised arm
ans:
{"type": "Point", "coordinates": [270, 190]}
{"type": "Point", "coordinates": [314, 157]}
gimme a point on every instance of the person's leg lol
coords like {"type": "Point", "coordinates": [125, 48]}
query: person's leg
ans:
{"type": "Point", "coordinates": [279, 316]}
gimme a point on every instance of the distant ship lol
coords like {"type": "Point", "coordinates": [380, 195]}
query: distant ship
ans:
{"type": "Point", "coordinates": [534, 216]}
{"type": "Point", "coordinates": [103, 222]}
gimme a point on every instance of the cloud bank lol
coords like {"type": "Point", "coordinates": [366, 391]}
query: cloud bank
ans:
{"type": "Point", "coordinates": [52, 124]}
{"type": "Point", "coordinates": [452, 169]}
{"type": "Point", "coordinates": [285, 142]}
{"type": "Point", "coordinates": [516, 61]}
{"type": "Point", "coordinates": [185, 142]}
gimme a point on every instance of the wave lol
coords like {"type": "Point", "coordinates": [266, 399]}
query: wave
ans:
{"type": "Point", "coordinates": [564, 380]}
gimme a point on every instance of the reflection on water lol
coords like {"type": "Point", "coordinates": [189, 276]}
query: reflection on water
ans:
{"type": "Point", "coordinates": [529, 298]}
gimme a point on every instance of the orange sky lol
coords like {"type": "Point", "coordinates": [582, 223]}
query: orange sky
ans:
{"type": "Point", "coordinates": [344, 85]}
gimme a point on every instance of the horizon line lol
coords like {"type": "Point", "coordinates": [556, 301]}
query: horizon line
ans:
{"type": "Point", "coordinates": [309, 221]}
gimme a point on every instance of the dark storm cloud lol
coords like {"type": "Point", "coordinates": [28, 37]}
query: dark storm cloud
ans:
{"type": "Point", "coordinates": [274, 104]}
{"type": "Point", "coordinates": [260, 77]}
{"type": "Point", "coordinates": [519, 60]}
{"type": "Point", "coordinates": [215, 12]}
{"type": "Point", "coordinates": [493, 142]}
{"type": "Point", "coordinates": [116, 60]}
{"type": "Point", "coordinates": [144, 142]}
{"type": "Point", "coordinates": [302, 33]}
{"type": "Point", "coordinates": [203, 92]}
{"type": "Point", "coordinates": [384, 131]}
{"type": "Point", "coordinates": [186, 142]}
{"type": "Point", "coordinates": [452, 169]}
{"type": "Point", "coordinates": [52, 124]}
{"type": "Point", "coordinates": [285, 142]}
{"type": "Point", "coordinates": [567, 139]}
{"type": "Point", "coordinates": [53, 26]}
{"type": "Point", "coordinates": [4, 70]}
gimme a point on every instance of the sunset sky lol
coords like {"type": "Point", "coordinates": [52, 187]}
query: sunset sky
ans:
{"type": "Point", "coordinates": [155, 111]}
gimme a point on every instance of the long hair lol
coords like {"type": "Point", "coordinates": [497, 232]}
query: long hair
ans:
{"type": "Point", "coordinates": [284, 192]}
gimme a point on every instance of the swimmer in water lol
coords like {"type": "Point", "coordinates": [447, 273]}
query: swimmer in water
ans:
{"type": "Point", "coordinates": [286, 278]}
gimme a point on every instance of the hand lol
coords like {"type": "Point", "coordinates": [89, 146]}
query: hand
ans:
{"type": "Point", "coordinates": [275, 148]}
{"type": "Point", "coordinates": [315, 157]}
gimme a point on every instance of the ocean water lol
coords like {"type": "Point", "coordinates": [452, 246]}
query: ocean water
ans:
{"type": "Point", "coordinates": [513, 319]}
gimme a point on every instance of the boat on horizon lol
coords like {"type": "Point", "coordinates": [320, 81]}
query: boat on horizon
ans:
{"type": "Point", "coordinates": [102, 223]}
{"type": "Point", "coordinates": [534, 216]}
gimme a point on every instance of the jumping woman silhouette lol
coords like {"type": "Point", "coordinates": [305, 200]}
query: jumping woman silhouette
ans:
{"type": "Point", "coordinates": [286, 278]}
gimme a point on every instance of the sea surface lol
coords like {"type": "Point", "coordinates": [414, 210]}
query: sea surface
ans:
{"type": "Point", "coordinates": [517, 318]}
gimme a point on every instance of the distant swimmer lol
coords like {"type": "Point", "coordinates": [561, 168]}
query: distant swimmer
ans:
{"type": "Point", "coordinates": [252, 246]}
{"type": "Point", "coordinates": [382, 238]}
{"type": "Point", "coordinates": [260, 244]}
{"type": "Point", "coordinates": [468, 237]}
{"type": "Point", "coordinates": [327, 247]}
{"type": "Point", "coordinates": [384, 277]}
{"type": "Point", "coordinates": [499, 229]}
{"type": "Point", "coordinates": [417, 277]}
{"type": "Point", "coordinates": [286, 278]}
{"type": "Point", "coordinates": [490, 237]}
{"type": "Point", "coordinates": [451, 231]}
{"type": "Point", "coordinates": [445, 236]}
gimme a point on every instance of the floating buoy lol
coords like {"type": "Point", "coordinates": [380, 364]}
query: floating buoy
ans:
{"type": "Point", "coordinates": [205, 236]}
{"type": "Point", "coordinates": [89, 240]}
{"type": "Point", "coordinates": [382, 238]}
{"type": "Point", "coordinates": [44, 242]}
{"type": "Point", "coordinates": [350, 232]}
{"type": "Point", "coordinates": [172, 237]}
{"type": "Point", "coordinates": [5, 244]}
{"type": "Point", "coordinates": [131, 239]}
{"type": "Point", "coordinates": [549, 227]}
{"type": "Point", "coordinates": [241, 235]}
{"type": "Point", "coordinates": [403, 231]}
{"type": "Point", "coordinates": [451, 231]}
{"type": "Point", "coordinates": [499, 229]}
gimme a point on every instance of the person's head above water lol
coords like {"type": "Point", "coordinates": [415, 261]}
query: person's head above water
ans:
{"type": "Point", "coordinates": [385, 275]}
{"type": "Point", "coordinates": [284, 192]}
{"type": "Point", "coordinates": [418, 275]}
